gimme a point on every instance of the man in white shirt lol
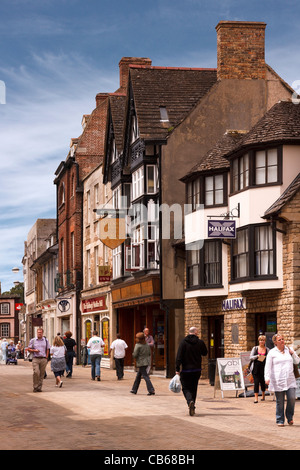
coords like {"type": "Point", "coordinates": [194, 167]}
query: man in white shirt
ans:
{"type": "Point", "coordinates": [118, 346]}
{"type": "Point", "coordinates": [95, 345]}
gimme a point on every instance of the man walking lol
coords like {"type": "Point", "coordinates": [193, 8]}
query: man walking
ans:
{"type": "Point", "coordinates": [118, 346]}
{"type": "Point", "coordinates": [40, 348]}
{"type": "Point", "coordinates": [189, 358]}
{"type": "Point", "coordinates": [96, 345]}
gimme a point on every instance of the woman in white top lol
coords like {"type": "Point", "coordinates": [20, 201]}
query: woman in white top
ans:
{"type": "Point", "coordinates": [279, 375]}
{"type": "Point", "coordinates": [58, 360]}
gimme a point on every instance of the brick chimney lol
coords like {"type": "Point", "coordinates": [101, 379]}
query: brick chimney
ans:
{"type": "Point", "coordinates": [124, 67]}
{"type": "Point", "coordinates": [100, 97]}
{"type": "Point", "coordinates": [241, 49]}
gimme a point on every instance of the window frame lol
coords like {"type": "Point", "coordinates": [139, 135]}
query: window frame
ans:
{"type": "Point", "coordinates": [252, 274]}
{"type": "Point", "coordinates": [252, 155]}
{"type": "Point", "coordinates": [7, 304]}
{"type": "Point", "coordinates": [196, 191]}
{"type": "Point", "coordinates": [201, 256]}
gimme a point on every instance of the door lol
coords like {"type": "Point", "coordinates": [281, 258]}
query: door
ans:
{"type": "Point", "coordinates": [216, 337]}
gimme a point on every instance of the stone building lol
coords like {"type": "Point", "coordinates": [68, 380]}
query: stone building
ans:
{"type": "Point", "coordinates": [237, 288]}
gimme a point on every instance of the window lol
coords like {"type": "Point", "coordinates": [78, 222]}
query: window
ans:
{"type": "Point", "coordinates": [253, 253]}
{"type": "Point", "coordinates": [240, 173]}
{"type": "Point", "coordinates": [204, 266]}
{"type": "Point", "coordinates": [5, 308]}
{"type": "Point", "coordinates": [138, 183]}
{"type": "Point", "coordinates": [163, 114]}
{"type": "Point", "coordinates": [210, 190]}
{"type": "Point", "coordinates": [152, 179]}
{"type": "Point", "coordinates": [137, 256]}
{"type": "Point", "coordinates": [88, 206]}
{"type": "Point", "coordinates": [134, 129]}
{"type": "Point", "coordinates": [88, 265]}
{"type": "Point", "coordinates": [256, 168]}
{"type": "Point", "coordinates": [214, 190]}
{"type": "Point", "coordinates": [193, 197]}
{"type": "Point", "coordinates": [241, 254]}
{"type": "Point", "coordinates": [61, 194]}
{"type": "Point", "coordinates": [113, 151]}
{"type": "Point", "coordinates": [96, 264]}
{"type": "Point", "coordinates": [266, 166]}
{"type": "Point", "coordinates": [4, 330]}
{"type": "Point", "coordinates": [152, 247]}
{"type": "Point", "coordinates": [117, 262]}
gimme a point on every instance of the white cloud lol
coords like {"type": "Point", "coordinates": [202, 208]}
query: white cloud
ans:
{"type": "Point", "coordinates": [43, 111]}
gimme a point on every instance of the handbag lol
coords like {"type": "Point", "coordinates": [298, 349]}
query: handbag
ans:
{"type": "Point", "coordinates": [296, 371]}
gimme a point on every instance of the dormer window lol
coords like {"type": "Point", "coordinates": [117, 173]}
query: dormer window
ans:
{"type": "Point", "coordinates": [266, 166]}
{"type": "Point", "coordinates": [210, 191]}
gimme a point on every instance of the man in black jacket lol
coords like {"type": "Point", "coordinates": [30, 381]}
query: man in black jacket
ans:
{"type": "Point", "coordinates": [189, 357]}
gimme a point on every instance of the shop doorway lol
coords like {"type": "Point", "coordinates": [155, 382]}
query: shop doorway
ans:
{"type": "Point", "coordinates": [216, 337]}
{"type": "Point", "coordinates": [266, 324]}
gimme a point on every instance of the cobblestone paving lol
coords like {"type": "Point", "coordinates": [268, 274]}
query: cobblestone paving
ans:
{"type": "Point", "coordinates": [87, 415]}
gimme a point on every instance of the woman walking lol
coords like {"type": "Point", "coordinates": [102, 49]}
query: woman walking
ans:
{"type": "Point", "coordinates": [142, 355]}
{"type": "Point", "coordinates": [70, 344]}
{"type": "Point", "coordinates": [58, 360]}
{"type": "Point", "coordinates": [258, 361]}
{"type": "Point", "coordinates": [279, 375]}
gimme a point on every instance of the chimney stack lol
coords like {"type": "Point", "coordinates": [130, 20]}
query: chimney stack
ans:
{"type": "Point", "coordinates": [241, 50]}
{"type": "Point", "coordinates": [124, 68]}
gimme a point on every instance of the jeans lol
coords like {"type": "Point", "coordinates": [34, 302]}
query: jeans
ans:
{"type": "Point", "coordinates": [95, 362]}
{"type": "Point", "coordinates": [290, 405]}
{"type": "Point", "coordinates": [69, 362]}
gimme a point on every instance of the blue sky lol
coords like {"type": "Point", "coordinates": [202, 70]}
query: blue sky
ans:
{"type": "Point", "coordinates": [56, 55]}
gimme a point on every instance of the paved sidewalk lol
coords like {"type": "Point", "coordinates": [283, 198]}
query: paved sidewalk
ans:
{"type": "Point", "coordinates": [86, 415]}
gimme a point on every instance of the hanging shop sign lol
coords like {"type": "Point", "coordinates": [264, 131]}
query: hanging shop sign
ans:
{"type": "Point", "coordinates": [238, 303]}
{"type": "Point", "coordinates": [112, 232]}
{"type": "Point", "coordinates": [94, 304]}
{"type": "Point", "coordinates": [104, 273]}
{"type": "Point", "coordinates": [221, 229]}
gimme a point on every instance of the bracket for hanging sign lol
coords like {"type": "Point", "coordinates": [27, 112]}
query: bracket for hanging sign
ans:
{"type": "Point", "coordinates": [233, 214]}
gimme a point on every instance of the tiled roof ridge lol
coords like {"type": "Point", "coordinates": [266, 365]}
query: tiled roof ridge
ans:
{"type": "Point", "coordinates": [285, 197]}
{"type": "Point", "coordinates": [157, 67]}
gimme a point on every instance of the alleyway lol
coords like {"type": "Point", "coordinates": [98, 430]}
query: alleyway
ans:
{"type": "Point", "coordinates": [87, 415]}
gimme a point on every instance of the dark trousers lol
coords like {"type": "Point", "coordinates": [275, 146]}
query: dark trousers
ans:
{"type": "Point", "coordinates": [119, 367]}
{"type": "Point", "coordinates": [69, 362]}
{"type": "Point", "coordinates": [259, 379]}
{"type": "Point", "coordinates": [142, 372]}
{"type": "Point", "coordinates": [189, 382]}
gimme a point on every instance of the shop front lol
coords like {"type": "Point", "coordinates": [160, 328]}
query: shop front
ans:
{"type": "Point", "coordinates": [96, 316]}
{"type": "Point", "coordinates": [137, 306]}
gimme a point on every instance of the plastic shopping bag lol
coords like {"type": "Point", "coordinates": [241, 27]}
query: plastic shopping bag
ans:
{"type": "Point", "coordinates": [175, 385]}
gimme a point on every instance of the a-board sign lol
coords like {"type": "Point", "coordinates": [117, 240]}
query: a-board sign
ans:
{"type": "Point", "coordinates": [230, 374]}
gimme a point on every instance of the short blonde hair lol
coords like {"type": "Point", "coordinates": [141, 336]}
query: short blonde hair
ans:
{"type": "Point", "coordinates": [58, 341]}
{"type": "Point", "coordinates": [262, 337]}
{"type": "Point", "coordinates": [274, 338]}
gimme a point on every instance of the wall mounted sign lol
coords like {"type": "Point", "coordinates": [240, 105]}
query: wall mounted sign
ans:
{"type": "Point", "coordinates": [221, 229]}
{"type": "Point", "coordinates": [94, 304]}
{"type": "Point", "coordinates": [112, 232]}
{"type": "Point", "coordinates": [238, 303]}
{"type": "Point", "coordinates": [64, 305]}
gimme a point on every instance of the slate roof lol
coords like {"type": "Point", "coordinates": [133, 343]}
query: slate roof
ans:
{"type": "Point", "coordinates": [177, 89]}
{"type": "Point", "coordinates": [285, 197]}
{"type": "Point", "coordinates": [214, 158]}
{"type": "Point", "coordinates": [281, 124]}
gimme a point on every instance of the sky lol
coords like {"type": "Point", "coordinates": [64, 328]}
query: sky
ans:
{"type": "Point", "coordinates": [56, 55]}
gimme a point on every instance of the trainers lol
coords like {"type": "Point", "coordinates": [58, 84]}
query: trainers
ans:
{"type": "Point", "coordinates": [192, 408]}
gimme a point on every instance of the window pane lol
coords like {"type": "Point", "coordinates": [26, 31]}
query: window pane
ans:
{"type": "Point", "coordinates": [150, 179]}
{"type": "Point", "coordinates": [260, 163]}
{"type": "Point", "coordinates": [272, 174]}
{"type": "Point", "coordinates": [219, 197]}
